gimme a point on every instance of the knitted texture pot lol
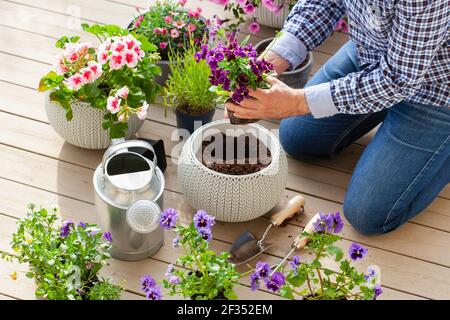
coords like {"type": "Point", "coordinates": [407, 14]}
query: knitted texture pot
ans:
{"type": "Point", "coordinates": [232, 198]}
{"type": "Point", "coordinates": [85, 129]}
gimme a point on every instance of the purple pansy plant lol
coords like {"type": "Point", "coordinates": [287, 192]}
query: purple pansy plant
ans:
{"type": "Point", "coordinates": [357, 251]}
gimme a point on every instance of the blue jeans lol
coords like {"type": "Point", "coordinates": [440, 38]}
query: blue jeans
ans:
{"type": "Point", "coordinates": [401, 171]}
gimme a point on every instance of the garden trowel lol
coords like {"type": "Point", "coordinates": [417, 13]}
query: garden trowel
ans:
{"type": "Point", "coordinates": [247, 246]}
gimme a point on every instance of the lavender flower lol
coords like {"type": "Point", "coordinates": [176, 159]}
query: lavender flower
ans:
{"type": "Point", "coordinates": [174, 279]}
{"type": "Point", "coordinates": [324, 223]}
{"type": "Point", "coordinates": [169, 219]}
{"type": "Point", "coordinates": [170, 269]}
{"type": "Point", "coordinates": [378, 290]}
{"type": "Point", "coordinates": [275, 282]}
{"type": "Point", "coordinates": [357, 252]}
{"type": "Point", "coordinates": [154, 293]}
{"type": "Point", "coordinates": [176, 242]}
{"type": "Point", "coordinates": [262, 270]}
{"type": "Point", "coordinates": [82, 224]}
{"type": "Point", "coordinates": [108, 236]}
{"type": "Point", "coordinates": [65, 228]}
{"type": "Point", "coordinates": [203, 220]}
{"type": "Point", "coordinates": [338, 225]}
{"type": "Point", "coordinates": [147, 283]}
{"type": "Point", "coordinates": [205, 234]}
{"type": "Point", "coordinates": [370, 274]}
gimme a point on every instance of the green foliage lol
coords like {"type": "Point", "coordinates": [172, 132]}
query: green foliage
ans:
{"type": "Point", "coordinates": [140, 80]}
{"type": "Point", "coordinates": [64, 267]}
{"type": "Point", "coordinates": [312, 281]}
{"type": "Point", "coordinates": [212, 275]}
{"type": "Point", "coordinates": [187, 88]}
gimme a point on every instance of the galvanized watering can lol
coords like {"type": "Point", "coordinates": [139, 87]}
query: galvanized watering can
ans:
{"type": "Point", "coordinates": [128, 199]}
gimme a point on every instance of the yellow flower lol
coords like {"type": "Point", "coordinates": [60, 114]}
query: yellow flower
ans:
{"type": "Point", "coordinates": [13, 276]}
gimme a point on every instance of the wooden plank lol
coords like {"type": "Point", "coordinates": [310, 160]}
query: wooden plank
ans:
{"type": "Point", "coordinates": [77, 210]}
{"type": "Point", "coordinates": [3, 297]}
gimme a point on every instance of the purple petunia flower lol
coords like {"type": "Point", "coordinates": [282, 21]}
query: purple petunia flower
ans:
{"type": "Point", "coordinates": [174, 279]}
{"type": "Point", "coordinates": [378, 290]}
{"type": "Point", "coordinates": [324, 223]}
{"type": "Point", "coordinates": [154, 293]}
{"type": "Point", "coordinates": [65, 228]}
{"type": "Point", "coordinates": [205, 234]}
{"type": "Point", "coordinates": [262, 270]}
{"type": "Point", "coordinates": [169, 218]}
{"type": "Point", "coordinates": [295, 263]}
{"type": "Point", "coordinates": [82, 224]}
{"type": "Point", "coordinates": [176, 242]}
{"type": "Point", "coordinates": [108, 236]}
{"type": "Point", "coordinates": [357, 252]}
{"type": "Point", "coordinates": [275, 282]}
{"type": "Point", "coordinates": [147, 283]}
{"type": "Point", "coordinates": [338, 225]}
{"type": "Point", "coordinates": [203, 220]}
{"type": "Point", "coordinates": [254, 282]}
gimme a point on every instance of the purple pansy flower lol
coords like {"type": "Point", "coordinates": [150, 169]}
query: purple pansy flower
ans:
{"type": "Point", "coordinates": [205, 234]}
{"type": "Point", "coordinates": [82, 224]}
{"type": "Point", "coordinates": [147, 283]}
{"type": "Point", "coordinates": [324, 223]}
{"type": "Point", "coordinates": [170, 269]}
{"type": "Point", "coordinates": [65, 228]}
{"type": "Point", "coordinates": [154, 293]}
{"type": "Point", "coordinates": [254, 282]}
{"type": "Point", "coordinates": [176, 242]}
{"type": "Point", "coordinates": [378, 290]}
{"type": "Point", "coordinates": [294, 263]}
{"type": "Point", "coordinates": [262, 270]}
{"type": "Point", "coordinates": [169, 218]}
{"type": "Point", "coordinates": [275, 282]}
{"type": "Point", "coordinates": [370, 274]}
{"type": "Point", "coordinates": [174, 279]}
{"type": "Point", "coordinates": [108, 236]}
{"type": "Point", "coordinates": [338, 225]}
{"type": "Point", "coordinates": [203, 220]}
{"type": "Point", "coordinates": [357, 252]}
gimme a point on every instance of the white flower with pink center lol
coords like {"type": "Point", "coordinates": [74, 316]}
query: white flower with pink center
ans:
{"type": "Point", "coordinates": [131, 59]}
{"type": "Point", "coordinates": [131, 42]}
{"type": "Point", "coordinates": [116, 61]}
{"type": "Point", "coordinates": [87, 74]}
{"type": "Point", "coordinates": [113, 104]}
{"type": "Point", "coordinates": [123, 92]}
{"type": "Point", "coordinates": [139, 52]}
{"type": "Point", "coordinates": [142, 111]}
{"type": "Point", "coordinates": [118, 47]}
{"type": "Point", "coordinates": [96, 69]}
{"type": "Point", "coordinates": [102, 57]}
{"type": "Point", "coordinates": [179, 24]}
{"type": "Point", "coordinates": [174, 33]}
{"type": "Point", "coordinates": [74, 82]}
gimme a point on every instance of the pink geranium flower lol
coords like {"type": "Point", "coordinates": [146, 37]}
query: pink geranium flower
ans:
{"type": "Point", "coordinates": [168, 19]}
{"type": "Point", "coordinates": [118, 47]}
{"type": "Point", "coordinates": [253, 27]}
{"type": "Point", "coordinates": [182, 2]}
{"type": "Point", "coordinates": [174, 33]}
{"type": "Point", "coordinates": [163, 45]}
{"type": "Point", "coordinates": [142, 111]}
{"type": "Point", "coordinates": [139, 52]}
{"type": "Point", "coordinates": [116, 61]}
{"type": "Point", "coordinates": [138, 21]}
{"type": "Point", "coordinates": [163, 31]}
{"type": "Point", "coordinates": [131, 59]}
{"type": "Point", "coordinates": [113, 104]}
{"type": "Point", "coordinates": [102, 57]}
{"type": "Point", "coordinates": [74, 82]}
{"type": "Point", "coordinates": [249, 9]}
{"type": "Point", "coordinates": [191, 27]}
{"type": "Point", "coordinates": [87, 74]}
{"type": "Point", "coordinates": [96, 69]}
{"type": "Point", "coordinates": [123, 92]}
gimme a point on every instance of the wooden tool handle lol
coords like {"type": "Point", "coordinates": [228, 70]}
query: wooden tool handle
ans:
{"type": "Point", "coordinates": [293, 206]}
{"type": "Point", "coordinates": [300, 242]}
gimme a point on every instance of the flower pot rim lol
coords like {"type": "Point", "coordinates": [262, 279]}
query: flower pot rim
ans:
{"type": "Point", "coordinates": [310, 58]}
{"type": "Point", "coordinates": [258, 127]}
{"type": "Point", "coordinates": [177, 110]}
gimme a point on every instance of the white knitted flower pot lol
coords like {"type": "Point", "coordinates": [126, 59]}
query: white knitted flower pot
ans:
{"type": "Point", "coordinates": [85, 129]}
{"type": "Point", "coordinates": [270, 19]}
{"type": "Point", "coordinates": [232, 198]}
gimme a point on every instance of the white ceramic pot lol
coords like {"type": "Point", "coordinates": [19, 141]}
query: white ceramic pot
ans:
{"type": "Point", "coordinates": [85, 129]}
{"type": "Point", "coordinates": [270, 19]}
{"type": "Point", "coordinates": [232, 198]}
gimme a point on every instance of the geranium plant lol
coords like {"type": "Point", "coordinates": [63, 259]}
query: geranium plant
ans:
{"type": "Point", "coordinates": [242, 9]}
{"type": "Point", "coordinates": [170, 26]}
{"type": "Point", "coordinates": [187, 88]}
{"type": "Point", "coordinates": [203, 275]}
{"type": "Point", "coordinates": [64, 259]}
{"type": "Point", "coordinates": [311, 280]}
{"type": "Point", "coordinates": [117, 76]}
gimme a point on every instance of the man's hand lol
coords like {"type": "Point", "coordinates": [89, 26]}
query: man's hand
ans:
{"type": "Point", "coordinates": [280, 65]}
{"type": "Point", "coordinates": [280, 101]}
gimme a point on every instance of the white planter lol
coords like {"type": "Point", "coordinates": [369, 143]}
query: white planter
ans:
{"type": "Point", "coordinates": [270, 19]}
{"type": "Point", "coordinates": [232, 198]}
{"type": "Point", "coordinates": [85, 129]}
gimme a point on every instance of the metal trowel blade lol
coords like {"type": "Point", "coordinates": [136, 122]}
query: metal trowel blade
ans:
{"type": "Point", "coordinates": [245, 248]}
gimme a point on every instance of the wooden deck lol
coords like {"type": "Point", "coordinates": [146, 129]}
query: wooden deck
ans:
{"type": "Point", "coordinates": [37, 166]}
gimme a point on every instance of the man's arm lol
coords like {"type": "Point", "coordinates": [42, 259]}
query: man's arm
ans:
{"type": "Point", "coordinates": [307, 26]}
{"type": "Point", "coordinates": [419, 30]}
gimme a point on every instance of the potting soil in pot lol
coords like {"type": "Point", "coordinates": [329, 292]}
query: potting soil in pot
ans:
{"type": "Point", "coordinates": [231, 155]}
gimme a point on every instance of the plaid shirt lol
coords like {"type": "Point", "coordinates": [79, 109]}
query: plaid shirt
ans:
{"type": "Point", "coordinates": [403, 51]}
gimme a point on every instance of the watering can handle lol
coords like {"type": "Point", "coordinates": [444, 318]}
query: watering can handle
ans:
{"type": "Point", "coordinates": [115, 148]}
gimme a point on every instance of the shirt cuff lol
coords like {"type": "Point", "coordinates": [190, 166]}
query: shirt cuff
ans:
{"type": "Point", "coordinates": [290, 48]}
{"type": "Point", "coordinates": [320, 101]}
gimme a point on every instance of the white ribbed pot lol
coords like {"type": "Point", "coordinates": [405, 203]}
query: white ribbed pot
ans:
{"type": "Point", "coordinates": [232, 198]}
{"type": "Point", "coordinates": [270, 19]}
{"type": "Point", "coordinates": [85, 129]}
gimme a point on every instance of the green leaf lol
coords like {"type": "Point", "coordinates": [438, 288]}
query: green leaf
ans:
{"type": "Point", "coordinates": [286, 292]}
{"type": "Point", "coordinates": [63, 98]}
{"type": "Point", "coordinates": [50, 81]}
{"type": "Point", "coordinates": [298, 280]}
{"type": "Point", "coordinates": [118, 130]}
{"type": "Point", "coordinates": [91, 90]}
{"type": "Point", "coordinates": [230, 294]}
{"type": "Point", "coordinates": [336, 251]}
{"type": "Point", "coordinates": [61, 42]}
